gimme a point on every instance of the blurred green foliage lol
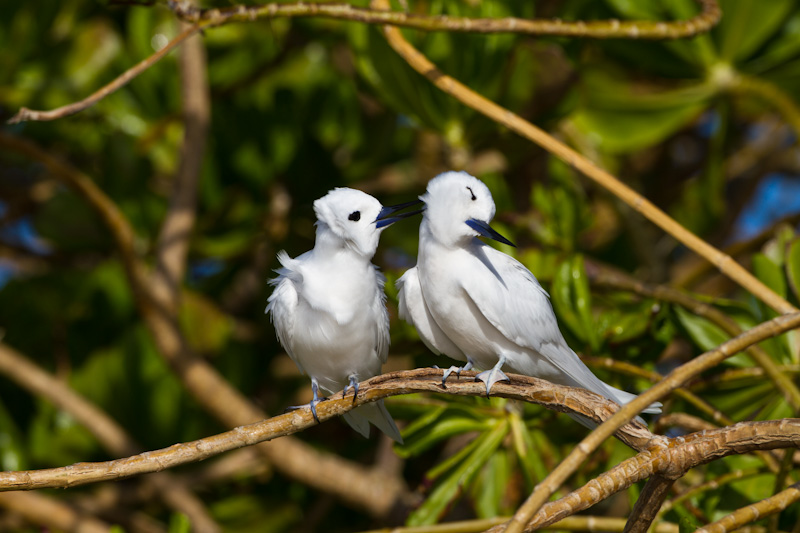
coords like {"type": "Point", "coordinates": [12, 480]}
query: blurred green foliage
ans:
{"type": "Point", "coordinates": [301, 106]}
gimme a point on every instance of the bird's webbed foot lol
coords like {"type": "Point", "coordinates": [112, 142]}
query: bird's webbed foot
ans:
{"type": "Point", "coordinates": [313, 403]}
{"type": "Point", "coordinates": [354, 385]}
{"type": "Point", "coordinates": [457, 370]}
{"type": "Point", "coordinates": [490, 377]}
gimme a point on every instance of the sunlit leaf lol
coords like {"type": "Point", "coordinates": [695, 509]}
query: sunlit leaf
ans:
{"type": "Point", "coordinates": [747, 25]}
{"type": "Point", "coordinates": [453, 485]}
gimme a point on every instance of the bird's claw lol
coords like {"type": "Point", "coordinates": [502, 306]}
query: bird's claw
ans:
{"type": "Point", "coordinates": [354, 385]}
{"type": "Point", "coordinates": [457, 370]}
{"type": "Point", "coordinates": [312, 404]}
{"type": "Point", "coordinates": [490, 377]}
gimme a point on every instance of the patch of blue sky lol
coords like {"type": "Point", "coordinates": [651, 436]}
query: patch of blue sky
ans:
{"type": "Point", "coordinates": [776, 197]}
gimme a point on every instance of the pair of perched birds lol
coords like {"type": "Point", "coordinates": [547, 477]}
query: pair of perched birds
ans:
{"type": "Point", "coordinates": [466, 299]}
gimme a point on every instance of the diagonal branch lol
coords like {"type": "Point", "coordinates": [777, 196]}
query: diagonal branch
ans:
{"type": "Point", "coordinates": [639, 203]}
{"type": "Point", "coordinates": [751, 513]}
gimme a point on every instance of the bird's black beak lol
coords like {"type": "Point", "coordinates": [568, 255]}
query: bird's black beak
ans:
{"type": "Point", "coordinates": [485, 230]}
{"type": "Point", "coordinates": [387, 216]}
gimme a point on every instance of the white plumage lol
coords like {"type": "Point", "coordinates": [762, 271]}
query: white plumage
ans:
{"type": "Point", "coordinates": [479, 305]}
{"type": "Point", "coordinates": [329, 308]}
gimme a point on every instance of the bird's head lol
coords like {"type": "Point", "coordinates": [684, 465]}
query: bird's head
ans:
{"type": "Point", "coordinates": [459, 207]}
{"type": "Point", "coordinates": [356, 218]}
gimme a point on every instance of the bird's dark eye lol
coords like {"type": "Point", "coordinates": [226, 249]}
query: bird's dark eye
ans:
{"type": "Point", "coordinates": [355, 216]}
{"type": "Point", "coordinates": [472, 193]}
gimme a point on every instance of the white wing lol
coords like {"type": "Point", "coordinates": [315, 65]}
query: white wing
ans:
{"type": "Point", "coordinates": [282, 303]}
{"type": "Point", "coordinates": [519, 308]}
{"type": "Point", "coordinates": [381, 315]}
{"type": "Point", "coordinates": [412, 308]}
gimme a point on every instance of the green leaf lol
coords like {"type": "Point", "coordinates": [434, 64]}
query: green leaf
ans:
{"type": "Point", "coordinates": [703, 332]}
{"type": "Point", "coordinates": [583, 300]}
{"type": "Point", "coordinates": [745, 26]}
{"type": "Point", "coordinates": [793, 267]}
{"type": "Point", "coordinates": [450, 488]}
{"type": "Point", "coordinates": [206, 327]}
{"type": "Point", "coordinates": [562, 297]}
{"type": "Point", "coordinates": [770, 273]}
{"type": "Point", "coordinates": [448, 425]}
{"type": "Point", "coordinates": [489, 491]}
{"type": "Point", "coordinates": [611, 130]}
{"type": "Point", "coordinates": [179, 523]}
{"type": "Point", "coordinates": [12, 448]}
{"type": "Point", "coordinates": [780, 50]}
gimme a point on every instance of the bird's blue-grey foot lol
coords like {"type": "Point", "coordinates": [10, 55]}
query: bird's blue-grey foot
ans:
{"type": "Point", "coordinates": [354, 384]}
{"type": "Point", "coordinates": [313, 403]}
{"type": "Point", "coordinates": [490, 377]}
{"type": "Point", "coordinates": [457, 370]}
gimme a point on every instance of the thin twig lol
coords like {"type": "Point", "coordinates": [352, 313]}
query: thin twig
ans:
{"type": "Point", "coordinates": [654, 377]}
{"type": "Point", "coordinates": [639, 203]}
{"type": "Point", "coordinates": [714, 484]}
{"type": "Point", "coordinates": [618, 280]}
{"type": "Point", "coordinates": [25, 114]}
{"type": "Point", "coordinates": [595, 29]}
{"type": "Point", "coordinates": [771, 95]}
{"type": "Point", "coordinates": [753, 512]}
{"type": "Point", "coordinates": [523, 388]}
{"type": "Point", "coordinates": [599, 29]}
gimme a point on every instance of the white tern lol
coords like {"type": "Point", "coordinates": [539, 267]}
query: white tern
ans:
{"type": "Point", "coordinates": [328, 305]}
{"type": "Point", "coordinates": [479, 305]}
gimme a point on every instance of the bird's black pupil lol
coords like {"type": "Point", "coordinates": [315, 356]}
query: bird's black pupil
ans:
{"type": "Point", "coordinates": [355, 216]}
{"type": "Point", "coordinates": [472, 193]}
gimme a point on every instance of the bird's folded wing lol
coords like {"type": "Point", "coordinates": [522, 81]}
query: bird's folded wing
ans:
{"type": "Point", "coordinates": [381, 315]}
{"type": "Point", "coordinates": [412, 309]}
{"type": "Point", "coordinates": [282, 305]}
{"type": "Point", "coordinates": [511, 299]}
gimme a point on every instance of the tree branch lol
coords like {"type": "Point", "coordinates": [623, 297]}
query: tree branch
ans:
{"type": "Point", "coordinates": [25, 114]}
{"type": "Point", "coordinates": [751, 513]}
{"type": "Point", "coordinates": [639, 203]}
{"type": "Point", "coordinates": [596, 29]}
{"type": "Point", "coordinates": [524, 388]}
{"type": "Point", "coordinates": [176, 229]}
{"type": "Point", "coordinates": [647, 506]}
